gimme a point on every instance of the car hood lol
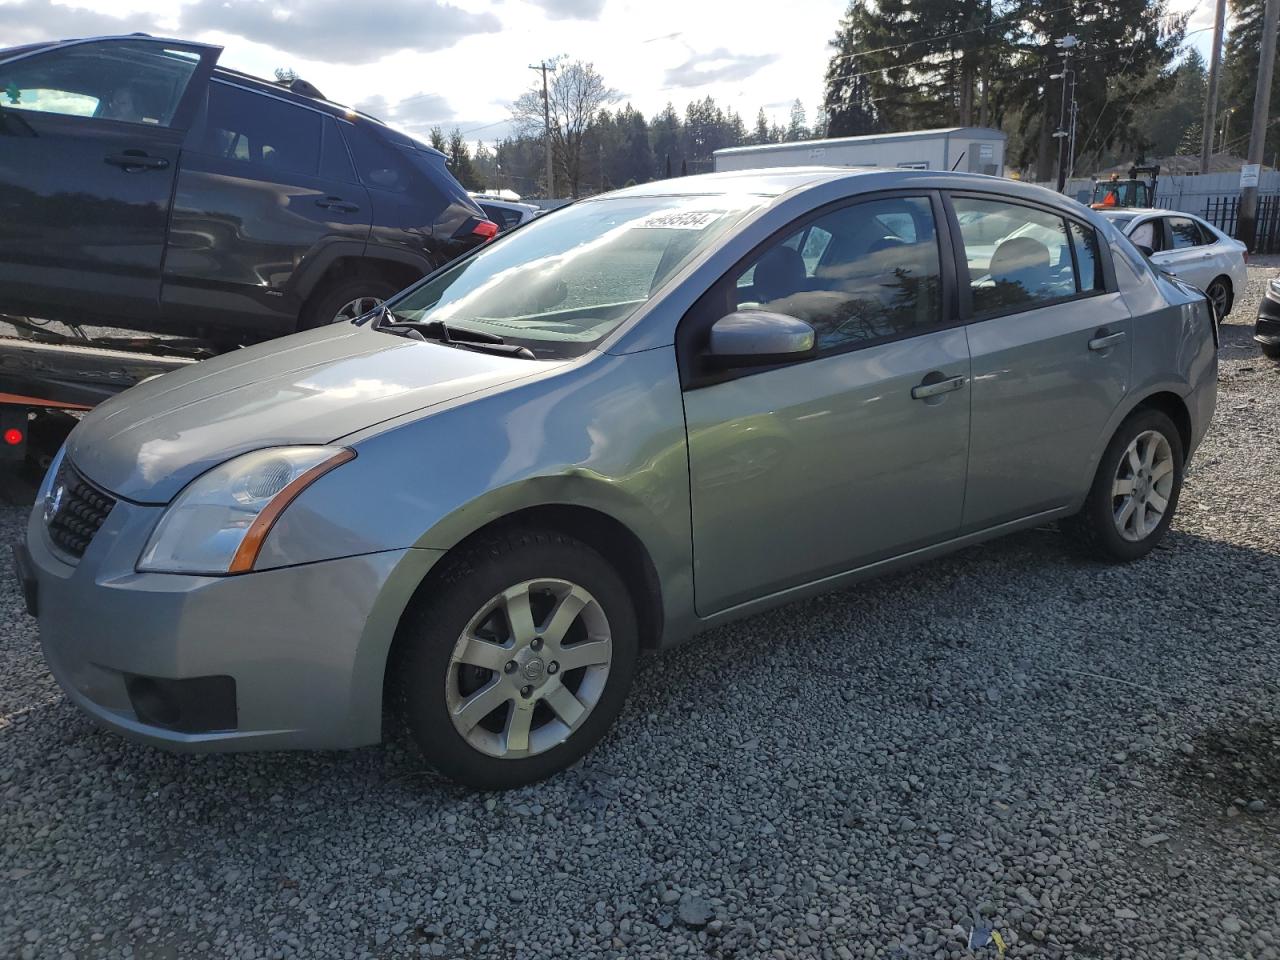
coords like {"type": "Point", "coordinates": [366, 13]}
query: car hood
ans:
{"type": "Point", "coordinates": [147, 443]}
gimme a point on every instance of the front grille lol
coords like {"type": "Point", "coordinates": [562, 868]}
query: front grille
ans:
{"type": "Point", "coordinates": [74, 510]}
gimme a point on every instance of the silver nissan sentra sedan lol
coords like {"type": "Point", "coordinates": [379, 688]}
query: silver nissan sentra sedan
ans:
{"type": "Point", "coordinates": [638, 417]}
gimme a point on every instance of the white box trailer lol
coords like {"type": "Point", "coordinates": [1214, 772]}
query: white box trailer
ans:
{"type": "Point", "coordinates": [973, 149]}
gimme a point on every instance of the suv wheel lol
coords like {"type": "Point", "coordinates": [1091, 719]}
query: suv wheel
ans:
{"type": "Point", "coordinates": [517, 661]}
{"type": "Point", "coordinates": [1135, 491]}
{"type": "Point", "coordinates": [345, 300]}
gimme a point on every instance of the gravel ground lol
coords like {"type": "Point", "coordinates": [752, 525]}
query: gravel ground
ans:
{"type": "Point", "coordinates": [1083, 757]}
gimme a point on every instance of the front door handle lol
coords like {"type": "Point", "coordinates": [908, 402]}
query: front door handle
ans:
{"type": "Point", "coordinates": [1105, 340]}
{"type": "Point", "coordinates": [132, 160]}
{"type": "Point", "coordinates": [337, 203]}
{"type": "Point", "coordinates": [926, 390]}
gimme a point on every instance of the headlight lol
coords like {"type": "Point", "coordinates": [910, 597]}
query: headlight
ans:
{"type": "Point", "coordinates": [219, 522]}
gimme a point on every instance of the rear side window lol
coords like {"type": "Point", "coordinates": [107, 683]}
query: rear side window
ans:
{"type": "Point", "coordinates": [261, 131]}
{"type": "Point", "coordinates": [1018, 257]}
{"type": "Point", "coordinates": [133, 81]}
{"type": "Point", "coordinates": [379, 165]}
{"type": "Point", "coordinates": [858, 275]}
{"type": "Point", "coordinates": [1185, 233]}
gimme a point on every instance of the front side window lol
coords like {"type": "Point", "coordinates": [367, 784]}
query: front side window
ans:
{"type": "Point", "coordinates": [261, 130]}
{"type": "Point", "coordinates": [1184, 233]}
{"type": "Point", "coordinates": [1018, 257]}
{"type": "Point", "coordinates": [132, 81]}
{"type": "Point", "coordinates": [562, 283]}
{"type": "Point", "coordinates": [1146, 235]}
{"type": "Point", "coordinates": [863, 273]}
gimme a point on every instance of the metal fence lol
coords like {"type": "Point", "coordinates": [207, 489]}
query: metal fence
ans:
{"type": "Point", "coordinates": [1224, 213]}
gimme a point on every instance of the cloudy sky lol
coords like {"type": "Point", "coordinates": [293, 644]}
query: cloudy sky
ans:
{"type": "Point", "coordinates": [422, 62]}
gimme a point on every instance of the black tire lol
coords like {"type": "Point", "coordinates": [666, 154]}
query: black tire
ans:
{"type": "Point", "coordinates": [431, 627]}
{"type": "Point", "coordinates": [1094, 527]}
{"type": "Point", "coordinates": [1221, 297]}
{"type": "Point", "coordinates": [1270, 350]}
{"type": "Point", "coordinates": [323, 306]}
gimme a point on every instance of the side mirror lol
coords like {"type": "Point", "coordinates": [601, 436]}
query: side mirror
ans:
{"type": "Point", "coordinates": [759, 337]}
{"type": "Point", "coordinates": [1146, 251]}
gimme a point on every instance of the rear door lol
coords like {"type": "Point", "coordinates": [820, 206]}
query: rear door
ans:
{"type": "Point", "coordinates": [1051, 344]}
{"type": "Point", "coordinates": [266, 188]}
{"type": "Point", "coordinates": [1187, 254]}
{"type": "Point", "coordinates": [89, 143]}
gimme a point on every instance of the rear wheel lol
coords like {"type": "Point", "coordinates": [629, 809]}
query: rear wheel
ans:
{"type": "Point", "coordinates": [1135, 491]}
{"type": "Point", "coordinates": [1270, 350]}
{"type": "Point", "coordinates": [518, 659]}
{"type": "Point", "coordinates": [1219, 294]}
{"type": "Point", "coordinates": [345, 299]}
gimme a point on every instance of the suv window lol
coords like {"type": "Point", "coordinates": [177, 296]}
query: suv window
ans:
{"type": "Point", "coordinates": [860, 274]}
{"type": "Point", "coordinates": [1185, 233]}
{"type": "Point", "coordinates": [261, 130]}
{"type": "Point", "coordinates": [380, 166]}
{"type": "Point", "coordinates": [133, 81]}
{"type": "Point", "coordinates": [1017, 256]}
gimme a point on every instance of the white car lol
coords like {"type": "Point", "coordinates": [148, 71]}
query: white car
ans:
{"type": "Point", "coordinates": [505, 213]}
{"type": "Point", "coordinates": [1189, 248]}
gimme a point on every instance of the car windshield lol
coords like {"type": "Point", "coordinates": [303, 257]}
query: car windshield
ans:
{"type": "Point", "coordinates": [563, 282]}
{"type": "Point", "coordinates": [1121, 220]}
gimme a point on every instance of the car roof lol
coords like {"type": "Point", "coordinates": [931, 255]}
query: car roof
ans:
{"type": "Point", "coordinates": [1133, 213]}
{"type": "Point", "coordinates": [776, 181]}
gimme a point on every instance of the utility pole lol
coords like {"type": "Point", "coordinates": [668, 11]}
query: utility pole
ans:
{"type": "Point", "coordinates": [546, 68]}
{"type": "Point", "coordinates": [1211, 97]}
{"type": "Point", "coordinates": [1065, 45]}
{"type": "Point", "coordinates": [1247, 231]}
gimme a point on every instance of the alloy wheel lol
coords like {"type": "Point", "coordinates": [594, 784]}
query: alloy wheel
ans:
{"type": "Point", "coordinates": [356, 308]}
{"type": "Point", "coordinates": [529, 668]}
{"type": "Point", "coordinates": [1143, 485]}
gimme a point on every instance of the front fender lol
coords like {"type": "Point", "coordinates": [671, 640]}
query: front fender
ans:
{"type": "Point", "coordinates": [606, 433]}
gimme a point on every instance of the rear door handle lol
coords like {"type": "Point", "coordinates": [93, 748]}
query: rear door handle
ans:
{"type": "Point", "coordinates": [1106, 340]}
{"type": "Point", "coordinates": [132, 160]}
{"type": "Point", "coordinates": [337, 203]}
{"type": "Point", "coordinates": [926, 390]}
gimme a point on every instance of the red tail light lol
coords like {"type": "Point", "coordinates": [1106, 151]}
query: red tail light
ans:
{"type": "Point", "coordinates": [13, 437]}
{"type": "Point", "coordinates": [486, 229]}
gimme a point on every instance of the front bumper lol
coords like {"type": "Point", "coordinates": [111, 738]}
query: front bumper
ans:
{"type": "Point", "coordinates": [1267, 328]}
{"type": "Point", "coordinates": [292, 657]}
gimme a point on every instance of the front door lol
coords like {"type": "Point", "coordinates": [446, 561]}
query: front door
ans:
{"type": "Point", "coordinates": [1051, 347]}
{"type": "Point", "coordinates": [89, 143]}
{"type": "Point", "coordinates": [806, 470]}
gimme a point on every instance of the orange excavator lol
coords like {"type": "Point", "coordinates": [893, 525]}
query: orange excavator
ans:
{"type": "Point", "coordinates": [1114, 192]}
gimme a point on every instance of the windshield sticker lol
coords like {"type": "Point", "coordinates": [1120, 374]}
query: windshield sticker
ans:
{"type": "Point", "coordinates": [680, 220]}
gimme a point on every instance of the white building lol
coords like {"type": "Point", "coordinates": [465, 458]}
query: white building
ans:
{"type": "Point", "coordinates": [973, 149]}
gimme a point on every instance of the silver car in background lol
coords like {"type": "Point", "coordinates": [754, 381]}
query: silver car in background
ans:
{"type": "Point", "coordinates": [1191, 249]}
{"type": "Point", "coordinates": [633, 419]}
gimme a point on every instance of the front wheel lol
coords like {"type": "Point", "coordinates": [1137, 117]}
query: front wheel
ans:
{"type": "Point", "coordinates": [1270, 350]}
{"type": "Point", "coordinates": [517, 660]}
{"type": "Point", "coordinates": [1135, 490]}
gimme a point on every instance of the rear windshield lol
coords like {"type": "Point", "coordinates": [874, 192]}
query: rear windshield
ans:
{"type": "Point", "coordinates": [563, 282]}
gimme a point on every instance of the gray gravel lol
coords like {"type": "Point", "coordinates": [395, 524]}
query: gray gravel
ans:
{"type": "Point", "coordinates": [1083, 757]}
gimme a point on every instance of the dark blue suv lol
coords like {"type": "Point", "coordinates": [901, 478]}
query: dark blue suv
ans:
{"type": "Point", "coordinates": [143, 186]}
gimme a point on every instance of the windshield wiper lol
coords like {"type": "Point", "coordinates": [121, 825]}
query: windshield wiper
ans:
{"type": "Point", "coordinates": [441, 332]}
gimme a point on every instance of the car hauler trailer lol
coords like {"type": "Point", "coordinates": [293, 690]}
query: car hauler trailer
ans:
{"type": "Point", "coordinates": [47, 379]}
{"type": "Point", "coordinates": [972, 149]}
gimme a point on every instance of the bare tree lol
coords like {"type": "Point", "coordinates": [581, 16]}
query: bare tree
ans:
{"type": "Point", "coordinates": [575, 94]}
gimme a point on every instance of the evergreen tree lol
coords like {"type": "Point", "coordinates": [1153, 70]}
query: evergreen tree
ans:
{"type": "Point", "coordinates": [666, 134]}
{"type": "Point", "coordinates": [438, 141]}
{"type": "Point", "coordinates": [760, 133]}
{"type": "Point", "coordinates": [1240, 81]}
{"type": "Point", "coordinates": [1164, 125]}
{"type": "Point", "coordinates": [798, 128]}
{"type": "Point", "coordinates": [460, 161]}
